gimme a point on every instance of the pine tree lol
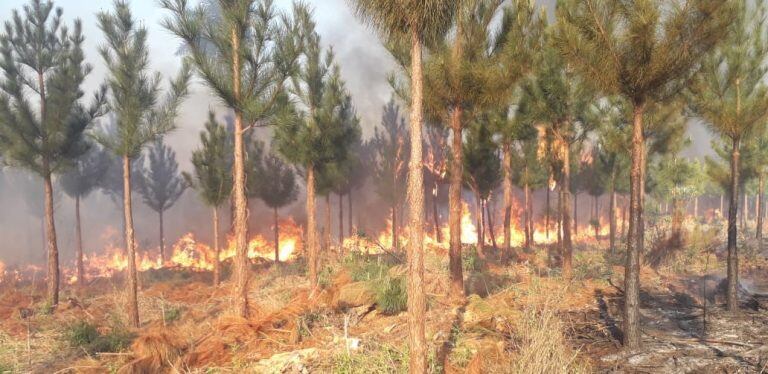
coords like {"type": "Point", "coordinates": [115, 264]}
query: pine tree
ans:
{"type": "Point", "coordinates": [134, 97]}
{"type": "Point", "coordinates": [558, 99]}
{"type": "Point", "coordinates": [390, 144]}
{"type": "Point", "coordinates": [530, 176]}
{"type": "Point", "coordinates": [415, 21]}
{"type": "Point", "coordinates": [244, 55]}
{"type": "Point", "coordinates": [78, 182]}
{"type": "Point", "coordinates": [275, 184]}
{"type": "Point", "coordinates": [42, 119]}
{"type": "Point", "coordinates": [644, 51]}
{"type": "Point", "coordinates": [163, 185]}
{"type": "Point", "coordinates": [213, 177]}
{"type": "Point", "coordinates": [482, 172]}
{"type": "Point", "coordinates": [731, 97]}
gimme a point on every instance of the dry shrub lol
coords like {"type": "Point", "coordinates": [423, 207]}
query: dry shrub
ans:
{"type": "Point", "coordinates": [156, 352]}
{"type": "Point", "coordinates": [541, 346]}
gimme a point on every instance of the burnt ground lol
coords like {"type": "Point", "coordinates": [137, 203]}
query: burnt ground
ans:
{"type": "Point", "coordinates": [685, 330]}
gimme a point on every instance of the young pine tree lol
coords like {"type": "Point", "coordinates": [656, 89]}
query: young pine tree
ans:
{"type": "Point", "coordinates": [416, 21]}
{"type": "Point", "coordinates": [78, 182]}
{"type": "Point", "coordinates": [482, 172]}
{"type": "Point", "coordinates": [163, 185]}
{"type": "Point", "coordinates": [275, 184]}
{"type": "Point", "coordinates": [244, 55]}
{"type": "Point", "coordinates": [390, 144]}
{"type": "Point", "coordinates": [644, 51]}
{"type": "Point", "coordinates": [134, 97]}
{"type": "Point", "coordinates": [730, 95]}
{"type": "Point", "coordinates": [213, 177]}
{"type": "Point", "coordinates": [42, 119]}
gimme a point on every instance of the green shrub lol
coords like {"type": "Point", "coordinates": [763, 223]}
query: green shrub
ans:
{"type": "Point", "coordinates": [366, 268]}
{"type": "Point", "coordinates": [172, 314]}
{"type": "Point", "coordinates": [84, 335]}
{"type": "Point", "coordinates": [81, 334]}
{"type": "Point", "coordinates": [325, 278]}
{"type": "Point", "coordinates": [6, 368]}
{"type": "Point", "coordinates": [391, 295]}
{"type": "Point", "coordinates": [384, 359]}
{"type": "Point", "coordinates": [470, 261]}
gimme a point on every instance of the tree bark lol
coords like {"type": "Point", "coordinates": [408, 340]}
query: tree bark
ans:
{"type": "Point", "coordinates": [527, 213]}
{"type": "Point", "coordinates": [632, 335]}
{"type": "Point", "coordinates": [349, 213]}
{"type": "Point", "coordinates": [565, 188]}
{"type": "Point", "coordinates": [454, 206]}
{"type": "Point", "coordinates": [507, 164]}
{"type": "Point", "coordinates": [732, 300]}
{"type": "Point", "coordinates": [416, 294]}
{"type": "Point", "coordinates": [597, 217]}
{"type": "Point", "coordinates": [722, 204]}
{"type": "Point", "coordinates": [51, 242]}
{"type": "Point", "coordinates": [395, 238]}
{"type": "Point", "coordinates": [241, 263]}
{"type": "Point", "coordinates": [328, 222]}
{"type": "Point", "coordinates": [480, 226]}
{"type": "Point", "coordinates": [677, 223]}
{"type": "Point", "coordinates": [546, 213]}
{"type": "Point", "coordinates": [760, 208]}
{"type": "Point", "coordinates": [162, 238]}
{"type": "Point", "coordinates": [612, 216]}
{"type": "Point", "coordinates": [341, 221]}
{"type": "Point", "coordinates": [133, 297]}
{"type": "Point", "coordinates": [435, 216]}
{"type": "Point", "coordinates": [575, 214]}
{"type": "Point", "coordinates": [311, 227]}
{"type": "Point", "coordinates": [79, 245]}
{"type": "Point", "coordinates": [216, 260]}
{"type": "Point", "coordinates": [490, 226]}
{"type": "Point", "coordinates": [277, 235]}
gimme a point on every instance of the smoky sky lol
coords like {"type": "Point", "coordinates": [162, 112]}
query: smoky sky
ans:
{"type": "Point", "coordinates": [364, 62]}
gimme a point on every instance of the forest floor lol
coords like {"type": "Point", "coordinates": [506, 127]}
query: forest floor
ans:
{"type": "Point", "coordinates": [520, 317]}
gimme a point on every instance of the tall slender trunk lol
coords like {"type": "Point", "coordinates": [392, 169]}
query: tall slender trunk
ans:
{"type": "Point", "coordinates": [632, 337]}
{"type": "Point", "coordinates": [677, 223]}
{"type": "Point", "coordinates": [216, 260]}
{"type": "Point", "coordinates": [79, 245]}
{"type": "Point", "coordinates": [480, 226]}
{"type": "Point", "coordinates": [612, 216]}
{"type": "Point", "coordinates": [416, 295]}
{"type": "Point", "coordinates": [349, 213]}
{"type": "Point", "coordinates": [759, 210]}
{"type": "Point", "coordinates": [624, 220]}
{"type": "Point", "coordinates": [328, 222]}
{"type": "Point", "coordinates": [395, 238]}
{"type": "Point", "coordinates": [733, 209]}
{"type": "Point", "coordinates": [454, 206]}
{"type": "Point", "coordinates": [341, 220]}
{"type": "Point", "coordinates": [162, 238]}
{"type": "Point", "coordinates": [722, 204]}
{"type": "Point", "coordinates": [490, 225]}
{"type": "Point", "coordinates": [527, 213]}
{"type": "Point", "coordinates": [696, 208]}
{"type": "Point", "coordinates": [597, 217]}
{"type": "Point", "coordinates": [241, 268]}
{"type": "Point", "coordinates": [507, 164]}
{"type": "Point", "coordinates": [50, 237]}
{"type": "Point", "coordinates": [565, 188]}
{"type": "Point", "coordinates": [133, 297]}
{"type": "Point", "coordinates": [435, 216]}
{"type": "Point", "coordinates": [276, 229]}
{"type": "Point", "coordinates": [311, 227]}
{"type": "Point", "coordinates": [575, 214]}
{"type": "Point", "coordinates": [546, 213]}
{"type": "Point", "coordinates": [745, 216]}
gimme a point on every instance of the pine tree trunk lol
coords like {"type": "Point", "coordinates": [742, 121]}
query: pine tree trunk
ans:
{"type": "Point", "coordinates": [277, 235]}
{"type": "Point", "coordinates": [677, 223]}
{"type": "Point", "coordinates": [759, 210]}
{"type": "Point", "coordinates": [79, 245]}
{"type": "Point", "coordinates": [162, 238]}
{"type": "Point", "coordinates": [50, 237]}
{"type": "Point", "coordinates": [490, 225]}
{"type": "Point", "coordinates": [480, 226]}
{"type": "Point", "coordinates": [395, 238]}
{"type": "Point", "coordinates": [527, 213]}
{"type": "Point", "coordinates": [575, 214]}
{"type": "Point", "coordinates": [328, 222]}
{"type": "Point", "coordinates": [733, 209]}
{"type": "Point", "coordinates": [241, 263]}
{"type": "Point", "coordinates": [565, 188]}
{"type": "Point", "coordinates": [133, 297]}
{"type": "Point", "coordinates": [745, 217]}
{"type": "Point", "coordinates": [341, 221]}
{"type": "Point", "coordinates": [632, 335]}
{"type": "Point", "coordinates": [349, 213]}
{"type": "Point", "coordinates": [597, 217]}
{"type": "Point", "coordinates": [311, 227]}
{"type": "Point", "coordinates": [696, 208]}
{"type": "Point", "coordinates": [722, 204]}
{"type": "Point", "coordinates": [507, 164]}
{"type": "Point", "coordinates": [612, 217]}
{"type": "Point", "coordinates": [416, 294]}
{"type": "Point", "coordinates": [216, 260]}
{"type": "Point", "coordinates": [435, 217]}
{"type": "Point", "coordinates": [546, 214]}
{"type": "Point", "coordinates": [454, 206]}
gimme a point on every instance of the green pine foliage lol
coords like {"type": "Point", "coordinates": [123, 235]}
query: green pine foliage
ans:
{"type": "Point", "coordinates": [163, 185]}
{"type": "Point", "coordinates": [212, 163]}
